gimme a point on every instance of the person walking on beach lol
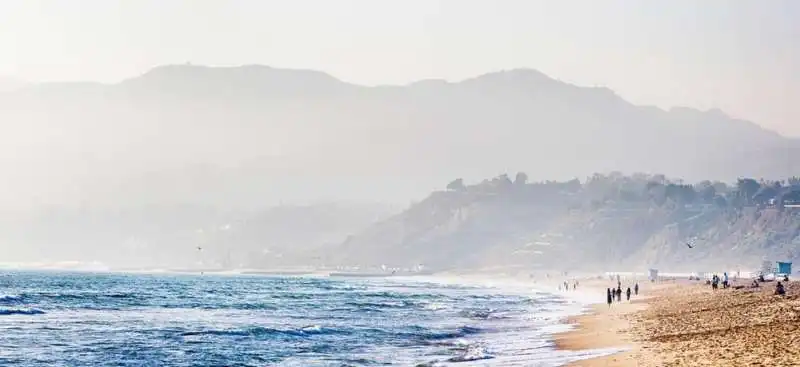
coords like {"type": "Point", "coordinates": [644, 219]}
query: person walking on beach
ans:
{"type": "Point", "coordinates": [619, 294]}
{"type": "Point", "coordinates": [636, 289]}
{"type": "Point", "coordinates": [628, 293]}
{"type": "Point", "coordinates": [609, 298]}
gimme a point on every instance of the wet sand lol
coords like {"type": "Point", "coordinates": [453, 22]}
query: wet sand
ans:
{"type": "Point", "coordinates": [608, 327]}
{"type": "Point", "coordinates": [689, 324]}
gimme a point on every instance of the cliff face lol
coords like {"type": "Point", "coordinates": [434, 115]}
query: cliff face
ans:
{"type": "Point", "coordinates": [567, 226]}
{"type": "Point", "coordinates": [723, 239]}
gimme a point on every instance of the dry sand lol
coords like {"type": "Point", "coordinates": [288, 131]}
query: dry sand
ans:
{"type": "Point", "coordinates": [689, 324]}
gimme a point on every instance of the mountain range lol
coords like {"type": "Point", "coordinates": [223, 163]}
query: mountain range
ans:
{"type": "Point", "coordinates": [252, 136]}
{"type": "Point", "coordinates": [246, 139]}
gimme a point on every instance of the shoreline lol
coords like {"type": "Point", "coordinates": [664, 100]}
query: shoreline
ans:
{"type": "Point", "coordinates": [687, 323]}
{"type": "Point", "coordinates": [608, 328]}
{"type": "Point", "coordinates": [579, 314]}
{"type": "Point", "coordinates": [587, 333]}
{"type": "Point", "coordinates": [602, 328]}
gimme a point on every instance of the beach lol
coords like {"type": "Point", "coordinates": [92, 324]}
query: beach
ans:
{"type": "Point", "coordinates": [683, 323]}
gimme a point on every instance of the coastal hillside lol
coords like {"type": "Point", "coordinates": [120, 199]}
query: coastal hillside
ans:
{"type": "Point", "coordinates": [253, 136]}
{"type": "Point", "coordinates": [605, 222]}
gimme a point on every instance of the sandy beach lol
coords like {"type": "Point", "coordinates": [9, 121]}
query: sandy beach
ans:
{"type": "Point", "coordinates": [682, 323]}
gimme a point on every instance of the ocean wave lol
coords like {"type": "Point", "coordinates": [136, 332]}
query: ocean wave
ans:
{"type": "Point", "coordinates": [449, 334]}
{"type": "Point", "coordinates": [177, 304]}
{"type": "Point", "coordinates": [434, 306]}
{"type": "Point", "coordinates": [352, 362]}
{"type": "Point", "coordinates": [349, 311]}
{"type": "Point", "coordinates": [453, 343]}
{"type": "Point", "coordinates": [397, 295]}
{"type": "Point", "coordinates": [472, 353]}
{"type": "Point", "coordinates": [20, 311]}
{"type": "Point", "coordinates": [379, 305]}
{"type": "Point", "coordinates": [82, 296]}
{"type": "Point", "coordinates": [294, 295]}
{"type": "Point", "coordinates": [417, 335]}
{"type": "Point", "coordinates": [249, 306]}
{"type": "Point", "coordinates": [265, 332]}
{"type": "Point", "coordinates": [340, 287]}
{"type": "Point", "coordinates": [483, 314]}
{"type": "Point", "coordinates": [467, 352]}
{"type": "Point", "coordinates": [10, 298]}
{"type": "Point", "coordinates": [170, 320]}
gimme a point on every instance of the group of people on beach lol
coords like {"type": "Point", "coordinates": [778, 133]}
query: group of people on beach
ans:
{"type": "Point", "coordinates": [715, 280]}
{"type": "Point", "coordinates": [565, 285]}
{"type": "Point", "coordinates": [612, 294]}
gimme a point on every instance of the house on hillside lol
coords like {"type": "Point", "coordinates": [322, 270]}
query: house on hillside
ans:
{"type": "Point", "coordinates": [785, 198]}
{"type": "Point", "coordinates": [767, 196]}
{"type": "Point", "coordinates": [789, 199]}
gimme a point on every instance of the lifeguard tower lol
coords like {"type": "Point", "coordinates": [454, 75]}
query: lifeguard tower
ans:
{"type": "Point", "coordinates": [653, 275]}
{"type": "Point", "coordinates": [783, 268]}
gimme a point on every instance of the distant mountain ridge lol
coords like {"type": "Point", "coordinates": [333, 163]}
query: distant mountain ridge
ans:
{"type": "Point", "coordinates": [258, 124]}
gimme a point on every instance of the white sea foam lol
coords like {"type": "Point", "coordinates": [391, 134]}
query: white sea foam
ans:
{"type": "Point", "coordinates": [531, 347]}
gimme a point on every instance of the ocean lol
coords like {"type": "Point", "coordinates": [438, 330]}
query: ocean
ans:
{"type": "Point", "coordinates": [107, 319]}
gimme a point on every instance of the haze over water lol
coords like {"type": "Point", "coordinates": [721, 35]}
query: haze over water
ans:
{"type": "Point", "coordinates": [379, 138]}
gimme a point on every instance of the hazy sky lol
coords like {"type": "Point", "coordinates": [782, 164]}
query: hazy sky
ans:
{"type": "Point", "coordinates": [740, 55]}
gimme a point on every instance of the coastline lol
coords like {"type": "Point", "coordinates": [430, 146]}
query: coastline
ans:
{"type": "Point", "coordinates": [683, 323]}
{"type": "Point", "coordinates": [581, 310]}
{"type": "Point", "coordinates": [674, 322]}
{"type": "Point", "coordinates": [606, 328]}
{"type": "Point", "coordinates": [610, 328]}
{"type": "Point", "coordinates": [575, 307]}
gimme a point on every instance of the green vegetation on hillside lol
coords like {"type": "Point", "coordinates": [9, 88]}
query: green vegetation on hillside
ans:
{"type": "Point", "coordinates": [606, 221]}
